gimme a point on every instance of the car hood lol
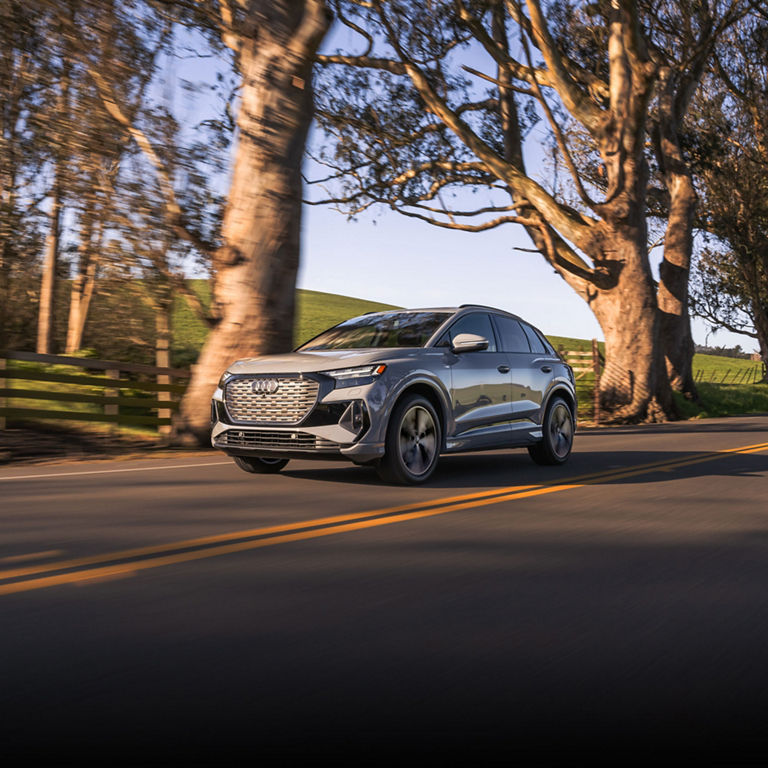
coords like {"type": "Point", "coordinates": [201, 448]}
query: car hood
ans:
{"type": "Point", "coordinates": [320, 360]}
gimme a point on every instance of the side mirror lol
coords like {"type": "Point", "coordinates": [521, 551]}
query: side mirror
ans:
{"type": "Point", "coordinates": [469, 342]}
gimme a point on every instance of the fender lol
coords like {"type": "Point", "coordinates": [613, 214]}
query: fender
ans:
{"type": "Point", "coordinates": [559, 385]}
{"type": "Point", "coordinates": [435, 384]}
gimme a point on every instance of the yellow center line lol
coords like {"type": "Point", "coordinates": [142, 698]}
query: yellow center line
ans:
{"type": "Point", "coordinates": [32, 556]}
{"type": "Point", "coordinates": [333, 520]}
{"type": "Point", "coordinates": [332, 525]}
{"type": "Point", "coordinates": [248, 533]}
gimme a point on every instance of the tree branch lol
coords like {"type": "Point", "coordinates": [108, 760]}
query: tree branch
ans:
{"type": "Point", "coordinates": [109, 101]}
{"type": "Point", "coordinates": [575, 226]}
{"type": "Point", "coordinates": [575, 102]}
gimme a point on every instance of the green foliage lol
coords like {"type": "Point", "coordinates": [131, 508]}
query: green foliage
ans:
{"type": "Point", "coordinates": [188, 331]}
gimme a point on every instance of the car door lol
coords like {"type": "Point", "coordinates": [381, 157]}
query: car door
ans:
{"type": "Point", "coordinates": [529, 377]}
{"type": "Point", "coordinates": [481, 392]}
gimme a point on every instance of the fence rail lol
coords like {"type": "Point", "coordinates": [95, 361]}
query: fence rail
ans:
{"type": "Point", "coordinates": [751, 375]}
{"type": "Point", "coordinates": [113, 405]}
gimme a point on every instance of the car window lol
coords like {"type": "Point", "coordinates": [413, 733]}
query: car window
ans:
{"type": "Point", "coordinates": [547, 346]}
{"type": "Point", "coordinates": [380, 329]}
{"type": "Point", "coordinates": [536, 345]}
{"type": "Point", "coordinates": [478, 323]}
{"type": "Point", "coordinates": [512, 338]}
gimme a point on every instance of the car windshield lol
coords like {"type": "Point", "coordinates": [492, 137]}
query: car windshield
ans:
{"type": "Point", "coordinates": [383, 329]}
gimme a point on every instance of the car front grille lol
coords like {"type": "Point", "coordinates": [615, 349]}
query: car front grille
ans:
{"type": "Point", "coordinates": [274, 440]}
{"type": "Point", "coordinates": [270, 399]}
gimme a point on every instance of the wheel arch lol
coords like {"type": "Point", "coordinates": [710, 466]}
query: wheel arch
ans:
{"type": "Point", "coordinates": [433, 395]}
{"type": "Point", "coordinates": [567, 395]}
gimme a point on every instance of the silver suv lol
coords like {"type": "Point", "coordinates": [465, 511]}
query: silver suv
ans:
{"type": "Point", "coordinates": [397, 389]}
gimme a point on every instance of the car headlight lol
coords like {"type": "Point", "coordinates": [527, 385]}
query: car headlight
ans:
{"type": "Point", "coordinates": [225, 377]}
{"type": "Point", "coordinates": [355, 377]}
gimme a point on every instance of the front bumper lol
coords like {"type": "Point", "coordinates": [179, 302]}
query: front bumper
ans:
{"type": "Point", "coordinates": [331, 430]}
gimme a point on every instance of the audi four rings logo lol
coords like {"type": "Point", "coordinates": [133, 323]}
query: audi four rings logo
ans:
{"type": "Point", "coordinates": [265, 386]}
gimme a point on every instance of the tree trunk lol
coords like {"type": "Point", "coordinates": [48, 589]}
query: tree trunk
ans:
{"type": "Point", "coordinates": [760, 315]}
{"type": "Point", "coordinates": [675, 321]}
{"type": "Point", "coordinates": [82, 291]}
{"type": "Point", "coordinates": [48, 282]}
{"type": "Point", "coordinates": [255, 268]}
{"type": "Point", "coordinates": [633, 386]}
{"type": "Point", "coordinates": [52, 244]}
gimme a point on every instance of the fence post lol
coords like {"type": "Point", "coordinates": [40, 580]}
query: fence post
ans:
{"type": "Point", "coordinates": [3, 399]}
{"type": "Point", "coordinates": [596, 368]}
{"type": "Point", "coordinates": [163, 360]}
{"type": "Point", "coordinates": [112, 410]}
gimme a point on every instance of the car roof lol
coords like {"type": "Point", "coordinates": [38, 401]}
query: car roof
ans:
{"type": "Point", "coordinates": [463, 308]}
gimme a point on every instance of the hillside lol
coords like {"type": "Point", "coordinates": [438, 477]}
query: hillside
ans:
{"type": "Point", "coordinates": [315, 311]}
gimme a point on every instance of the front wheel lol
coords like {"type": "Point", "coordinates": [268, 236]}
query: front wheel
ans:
{"type": "Point", "coordinates": [412, 445]}
{"type": "Point", "coordinates": [259, 466]}
{"type": "Point", "coordinates": [557, 434]}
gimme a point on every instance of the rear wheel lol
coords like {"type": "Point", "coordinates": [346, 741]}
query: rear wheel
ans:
{"type": "Point", "coordinates": [259, 466]}
{"type": "Point", "coordinates": [413, 442]}
{"type": "Point", "coordinates": [557, 434]}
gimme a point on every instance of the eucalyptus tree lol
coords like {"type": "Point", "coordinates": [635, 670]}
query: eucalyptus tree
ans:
{"type": "Point", "coordinates": [730, 288]}
{"type": "Point", "coordinates": [441, 97]}
{"type": "Point", "coordinates": [131, 173]}
{"type": "Point", "coordinates": [21, 161]}
{"type": "Point", "coordinates": [273, 46]}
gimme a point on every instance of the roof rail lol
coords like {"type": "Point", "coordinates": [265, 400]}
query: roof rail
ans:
{"type": "Point", "coordinates": [481, 306]}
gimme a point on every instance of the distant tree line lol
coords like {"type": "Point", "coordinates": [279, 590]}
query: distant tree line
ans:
{"type": "Point", "coordinates": [735, 352]}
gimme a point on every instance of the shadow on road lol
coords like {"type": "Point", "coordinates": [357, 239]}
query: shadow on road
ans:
{"type": "Point", "coordinates": [501, 469]}
{"type": "Point", "coordinates": [758, 423]}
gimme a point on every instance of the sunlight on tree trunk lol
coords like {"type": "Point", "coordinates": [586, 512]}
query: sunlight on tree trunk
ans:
{"type": "Point", "coordinates": [48, 280]}
{"type": "Point", "coordinates": [256, 266]}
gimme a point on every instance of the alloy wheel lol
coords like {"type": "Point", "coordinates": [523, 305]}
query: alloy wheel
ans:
{"type": "Point", "coordinates": [418, 440]}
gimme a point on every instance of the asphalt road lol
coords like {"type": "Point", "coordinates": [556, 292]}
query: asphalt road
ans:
{"type": "Point", "coordinates": [617, 605]}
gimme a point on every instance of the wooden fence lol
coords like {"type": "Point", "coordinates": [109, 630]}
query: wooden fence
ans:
{"type": "Point", "coordinates": [751, 375]}
{"type": "Point", "coordinates": [152, 388]}
{"type": "Point", "coordinates": [587, 366]}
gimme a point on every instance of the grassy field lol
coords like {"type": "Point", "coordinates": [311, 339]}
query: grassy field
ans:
{"type": "Point", "coordinates": [317, 311]}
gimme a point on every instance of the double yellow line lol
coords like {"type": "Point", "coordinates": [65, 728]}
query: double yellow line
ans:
{"type": "Point", "coordinates": [128, 561]}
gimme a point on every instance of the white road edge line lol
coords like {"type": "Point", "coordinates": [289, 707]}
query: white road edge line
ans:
{"type": "Point", "coordinates": [108, 471]}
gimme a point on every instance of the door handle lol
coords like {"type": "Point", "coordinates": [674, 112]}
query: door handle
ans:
{"type": "Point", "coordinates": [546, 368]}
{"type": "Point", "coordinates": [503, 369]}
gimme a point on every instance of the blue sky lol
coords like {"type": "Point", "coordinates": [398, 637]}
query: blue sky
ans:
{"type": "Point", "coordinates": [387, 257]}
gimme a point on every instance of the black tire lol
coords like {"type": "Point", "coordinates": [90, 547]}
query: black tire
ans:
{"type": "Point", "coordinates": [259, 466]}
{"type": "Point", "coordinates": [557, 431]}
{"type": "Point", "coordinates": [413, 441]}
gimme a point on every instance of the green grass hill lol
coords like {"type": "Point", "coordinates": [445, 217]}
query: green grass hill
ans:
{"type": "Point", "coordinates": [315, 311]}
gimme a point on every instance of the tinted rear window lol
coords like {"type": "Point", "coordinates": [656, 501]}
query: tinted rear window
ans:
{"type": "Point", "coordinates": [512, 337]}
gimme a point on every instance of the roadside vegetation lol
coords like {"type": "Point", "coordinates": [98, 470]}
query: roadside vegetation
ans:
{"type": "Point", "coordinates": [317, 311]}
